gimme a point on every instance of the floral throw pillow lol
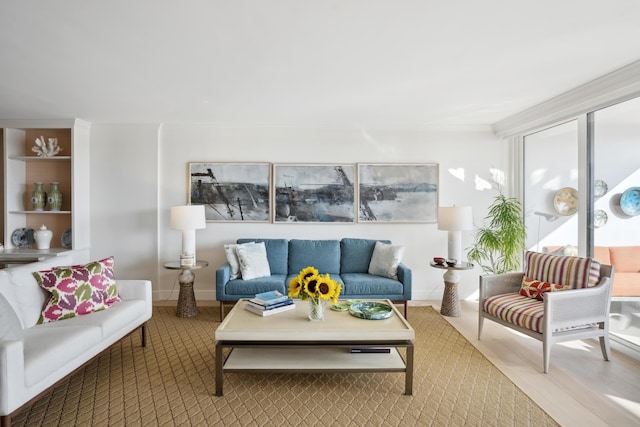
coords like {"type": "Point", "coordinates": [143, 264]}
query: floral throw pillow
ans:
{"type": "Point", "coordinates": [77, 290]}
{"type": "Point", "coordinates": [536, 289]}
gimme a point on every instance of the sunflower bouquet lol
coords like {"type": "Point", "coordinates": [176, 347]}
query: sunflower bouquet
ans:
{"type": "Point", "coordinates": [312, 285]}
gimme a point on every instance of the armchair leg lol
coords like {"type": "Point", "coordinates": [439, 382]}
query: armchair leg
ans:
{"type": "Point", "coordinates": [604, 346]}
{"type": "Point", "coordinates": [480, 325]}
{"type": "Point", "coordinates": [546, 355]}
{"type": "Point", "coordinates": [221, 311]}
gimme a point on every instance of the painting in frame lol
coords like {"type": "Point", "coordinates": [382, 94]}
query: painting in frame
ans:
{"type": "Point", "coordinates": [398, 193]}
{"type": "Point", "coordinates": [314, 193]}
{"type": "Point", "coordinates": [231, 192]}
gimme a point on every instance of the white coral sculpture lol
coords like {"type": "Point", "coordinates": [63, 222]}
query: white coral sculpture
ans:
{"type": "Point", "coordinates": [42, 149]}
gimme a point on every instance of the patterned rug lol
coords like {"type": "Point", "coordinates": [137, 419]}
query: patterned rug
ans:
{"type": "Point", "coordinates": [172, 382]}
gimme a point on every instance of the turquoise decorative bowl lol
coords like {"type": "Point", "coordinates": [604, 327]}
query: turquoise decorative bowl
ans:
{"type": "Point", "coordinates": [371, 310]}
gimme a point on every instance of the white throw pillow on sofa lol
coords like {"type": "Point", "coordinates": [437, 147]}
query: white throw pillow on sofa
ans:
{"type": "Point", "coordinates": [385, 260]}
{"type": "Point", "coordinates": [253, 260]}
{"type": "Point", "coordinates": [232, 259]}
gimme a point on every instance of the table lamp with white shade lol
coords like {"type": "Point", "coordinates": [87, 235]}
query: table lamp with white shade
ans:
{"type": "Point", "coordinates": [455, 219]}
{"type": "Point", "coordinates": [188, 219]}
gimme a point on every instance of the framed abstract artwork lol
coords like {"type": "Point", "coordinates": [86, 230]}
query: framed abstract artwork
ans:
{"type": "Point", "coordinates": [313, 193]}
{"type": "Point", "coordinates": [398, 192]}
{"type": "Point", "coordinates": [231, 192]}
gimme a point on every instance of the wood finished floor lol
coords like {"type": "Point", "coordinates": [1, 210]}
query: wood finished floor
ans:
{"type": "Point", "coordinates": [581, 389]}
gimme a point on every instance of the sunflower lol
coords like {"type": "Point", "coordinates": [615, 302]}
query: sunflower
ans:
{"type": "Point", "coordinates": [295, 286]}
{"type": "Point", "coordinates": [326, 288]}
{"type": "Point", "coordinates": [311, 285]}
{"type": "Point", "coordinates": [307, 272]}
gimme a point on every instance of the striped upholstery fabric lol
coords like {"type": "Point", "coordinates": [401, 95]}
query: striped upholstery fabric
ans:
{"type": "Point", "coordinates": [517, 309]}
{"type": "Point", "coordinates": [523, 311]}
{"type": "Point", "coordinates": [568, 271]}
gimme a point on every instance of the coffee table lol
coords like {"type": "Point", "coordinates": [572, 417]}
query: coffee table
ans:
{"type": "Point", "coordinates": [289, 342]}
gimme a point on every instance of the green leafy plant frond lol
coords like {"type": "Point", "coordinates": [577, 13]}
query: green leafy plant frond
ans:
{"type": "Point", "coordinates": [498, 247]}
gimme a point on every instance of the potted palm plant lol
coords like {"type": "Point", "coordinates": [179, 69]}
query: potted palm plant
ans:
{"type": "Point", "coordinates": [498, 246]}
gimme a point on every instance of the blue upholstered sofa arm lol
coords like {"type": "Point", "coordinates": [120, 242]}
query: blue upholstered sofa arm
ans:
{"type": "Point", "coordinates": [223, 274]}
{"type": "Point", "coordinates": [404, 276]}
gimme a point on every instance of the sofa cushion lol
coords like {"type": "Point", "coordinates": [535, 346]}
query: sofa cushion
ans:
{"type": "Point", "coordinates": [385, 260]}
{"type": "Point", "coordinates": [277, 253]}
{"type": "Point", "coordinates": [119, 316]}
{"type": "Point", "coordinates": [253, 260]}
{"type": "Point", "coordinates": [626, 285]}
{"type": "Point", "coordinates": [30, 297]}
{"type": "Point", "coordinates": [626, 259]}
{"type": "Point", "coordinates": [49, 346]}
{"type": "Point", "coordinates": [572, 272]}
{"type": "Point", "coordinates": [536, 288]}
{"type": "Point", "coordinates": [523, 311]}
{"type": "Point", "coordinates": [77, 290]}
{"type": "Point", "coordinates": [324, 255]}
{"type": "Point", "coordinates": [355, 254]}
{"type": "Point", "coordinates": [517, 309]}
{"type": "Point", "coordinates": [601, 253]}
{"type": "Point", "coordinates": [361, 285]}
{"type": "Point", "coordinates": [232, 259]}
{"type": "Point", "coordinates": [249, 288]}
{"type": "Point", "coordinates": [10, 323]}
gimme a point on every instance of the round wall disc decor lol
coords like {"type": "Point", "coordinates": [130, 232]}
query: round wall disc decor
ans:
{"type": "Point", "coordinates": [630, 201]}
{"type": "Point", "coordinates": [565, 202]}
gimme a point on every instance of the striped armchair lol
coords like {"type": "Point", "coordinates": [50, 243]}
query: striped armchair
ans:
{"type": "Point", "coordinates": [556, 298]}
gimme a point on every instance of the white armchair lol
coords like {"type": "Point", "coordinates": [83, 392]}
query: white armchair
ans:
{"type": "Point", "coordinates": [562, 316]}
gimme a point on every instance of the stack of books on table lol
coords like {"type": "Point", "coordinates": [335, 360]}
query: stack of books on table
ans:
{"type": "Point", "coordinates": [268, 303]}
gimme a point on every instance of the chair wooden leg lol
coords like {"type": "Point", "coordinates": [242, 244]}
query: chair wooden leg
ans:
{"type": "Point", "coordinates": [5, 420]}
{"type": "Point", "coordinates": [221, 311]}
{"type": "Point", "coordinates": [143, 330]}
{"type": "Point", "coordinates": [406, 305]}
{"type": "Point", "coordinates": [604, 346]}
{"type": "Point", "coordinates": [546, 355]}
{"type": "Point", "coordinates": [480, 325]}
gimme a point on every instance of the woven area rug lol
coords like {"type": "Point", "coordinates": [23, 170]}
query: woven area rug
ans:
{"type": "Point", "coordinates": [172, 382]}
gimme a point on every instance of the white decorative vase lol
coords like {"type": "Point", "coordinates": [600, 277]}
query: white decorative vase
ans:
{"type": "Point", "coordinates": [43, 237]}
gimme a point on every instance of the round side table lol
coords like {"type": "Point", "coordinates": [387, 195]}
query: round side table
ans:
{"type": "Point", "coordinates": [450, 299]}
{"type": "Point", "coordinates": [186, 298]}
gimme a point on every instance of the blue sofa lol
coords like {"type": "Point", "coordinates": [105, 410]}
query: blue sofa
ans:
{"type": "Point", "coordinates": [346, 260]}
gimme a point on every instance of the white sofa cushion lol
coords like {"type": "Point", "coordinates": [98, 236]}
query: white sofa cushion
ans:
{"type": "Point", "coordinates": [385, 260]}
{"type": "Point", "coordinates": [10, 324]}
{"type": "Point", "coordinates": [119, 316]}
{"type": "Point", "coordinates": [253, 260]}
{"type": "Point", "coordinates": [29, 296]}
{"type": "Point", "coordinates": [51, 346]}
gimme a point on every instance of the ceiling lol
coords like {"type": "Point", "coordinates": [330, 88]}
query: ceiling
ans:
{"type": "Point", "coordinates": [331, 63]}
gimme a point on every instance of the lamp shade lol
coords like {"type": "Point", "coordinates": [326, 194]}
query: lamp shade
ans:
{"type": "Point", "coordinates": [189, 217]}
{"type": "Point", "coordinates": [455, 218]}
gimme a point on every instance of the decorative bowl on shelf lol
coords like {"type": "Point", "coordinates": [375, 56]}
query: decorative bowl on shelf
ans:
{"type": "Point", "coordinates": [438, 260]}
{"type": "Point", "coordinates": [451, 262]}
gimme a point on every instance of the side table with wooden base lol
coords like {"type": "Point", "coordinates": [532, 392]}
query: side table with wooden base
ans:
{"type": "Point", "coordinates": [186, 298]}
{"type": "Point", "coordinates": [450, 299]}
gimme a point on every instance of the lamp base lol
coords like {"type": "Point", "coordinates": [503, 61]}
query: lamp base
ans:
{"type": "Point", "coordinates": [454, 246]}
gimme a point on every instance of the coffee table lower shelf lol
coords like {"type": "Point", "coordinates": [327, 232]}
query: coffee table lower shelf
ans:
{"type": "Point", "coordinates": [293, 358]}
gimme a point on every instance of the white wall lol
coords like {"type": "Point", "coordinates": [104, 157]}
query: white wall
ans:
{"type": "Point", "coordinates": [124, 198]}
{"type": "Point", "coordinates": [124, 223]}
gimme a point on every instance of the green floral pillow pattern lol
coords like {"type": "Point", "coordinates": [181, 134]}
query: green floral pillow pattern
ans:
{"type": "Point", "coordinates": [77, 290]}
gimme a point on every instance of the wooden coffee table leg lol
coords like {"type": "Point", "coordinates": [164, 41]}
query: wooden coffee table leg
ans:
{"type": "Point", "coordinates": [408, 375]}
{"type": "Point", "coordinates": [219, 364]}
